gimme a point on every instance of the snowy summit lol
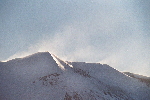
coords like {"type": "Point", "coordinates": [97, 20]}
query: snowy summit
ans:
{"type": "Point", "coordinates": [43, 76]}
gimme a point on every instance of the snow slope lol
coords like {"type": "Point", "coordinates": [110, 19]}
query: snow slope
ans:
{"type": "Point", "coordinates": [141, 78]}
{"type": "Point", "coordinates": [43, 76]}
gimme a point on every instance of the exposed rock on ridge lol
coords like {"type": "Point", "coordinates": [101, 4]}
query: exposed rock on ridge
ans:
{"type": "Point", "coordinates": [43, 76]}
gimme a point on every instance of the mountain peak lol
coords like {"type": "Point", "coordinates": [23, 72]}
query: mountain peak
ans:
{"type": "Point", "coordinates": [39, 54]}
{"type": "Point", "coordinates": [35, 55]}
{"type": "Point", "coordinates": [43, 76]}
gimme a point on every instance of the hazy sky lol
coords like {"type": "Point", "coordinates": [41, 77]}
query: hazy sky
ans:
{"type": "Point", "coordinates": [116, 32]}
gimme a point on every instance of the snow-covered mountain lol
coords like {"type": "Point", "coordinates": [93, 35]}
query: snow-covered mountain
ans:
{"type": "Point", "coordinates": [43, 76]}
{"type": "Point", "coordinates": [142, 78]}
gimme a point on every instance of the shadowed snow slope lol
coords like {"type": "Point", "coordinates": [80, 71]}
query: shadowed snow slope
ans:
{"type": "Point", "coordinates": [142, 78]}
{"type": "Point", "coordinates": [43, 76]}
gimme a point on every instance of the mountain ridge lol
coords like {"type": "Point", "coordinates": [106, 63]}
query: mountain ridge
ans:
{"type": "Point", "coordinates": [43, 76]}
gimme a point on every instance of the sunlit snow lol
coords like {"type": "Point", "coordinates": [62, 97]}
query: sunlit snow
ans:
{"type": "Point", "coordinates": [43, 76]}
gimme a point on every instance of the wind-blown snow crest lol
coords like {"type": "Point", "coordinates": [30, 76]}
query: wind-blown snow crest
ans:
{"type": "Point", "coordinates": [43, 76]}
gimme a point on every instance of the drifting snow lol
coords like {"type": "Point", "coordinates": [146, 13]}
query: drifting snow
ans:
{"type": "Point", "coordinates": [43, 76]}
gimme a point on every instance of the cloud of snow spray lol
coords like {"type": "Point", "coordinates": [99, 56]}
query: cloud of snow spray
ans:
{"type": "Point", "coordinates": [99, 31]}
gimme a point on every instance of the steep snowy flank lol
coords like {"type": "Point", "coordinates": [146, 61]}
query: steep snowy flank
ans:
{"type": "Point", "coordinates": [43, 76]}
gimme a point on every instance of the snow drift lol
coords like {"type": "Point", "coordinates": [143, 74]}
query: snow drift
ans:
{"type": "Point", "coordinates": [43, 76]}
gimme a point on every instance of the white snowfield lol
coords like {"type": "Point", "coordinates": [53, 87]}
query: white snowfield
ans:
{"type": "Point", "coordinates": [43, 76]}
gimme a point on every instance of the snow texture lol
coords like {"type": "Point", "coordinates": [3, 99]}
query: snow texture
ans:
{"type": "Point", "coordinates": [43, 76]}
{"type": "Point", "coordinates": [141, 78]}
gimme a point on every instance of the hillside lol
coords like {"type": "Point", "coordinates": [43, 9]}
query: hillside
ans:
{"type": "Point", "coordinates": [43, 76]}
{"type": "Point", "coordinates": [141, 78]}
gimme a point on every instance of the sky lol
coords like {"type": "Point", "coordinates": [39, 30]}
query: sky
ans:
{"type": "Point", "coordinates": [104, 31]}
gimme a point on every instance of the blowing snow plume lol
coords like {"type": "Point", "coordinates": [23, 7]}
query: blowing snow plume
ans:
{"type": "Point", "coordinates": [41, 77]}
{"type": "Point", "coordinates": [113, 32]}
